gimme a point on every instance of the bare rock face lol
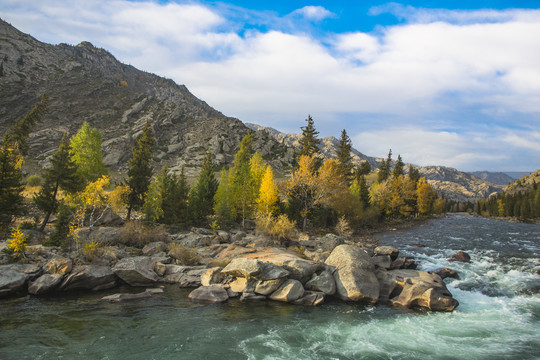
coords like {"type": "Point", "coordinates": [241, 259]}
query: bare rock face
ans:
{"type": "Point", "coordinates": [137, 271]}
{"type": "Point", "coordinates": [212, 294]}
{"type": "Point", "coordinates": [89, 277]}
{"type": "Point", "coordinates": [354, 275]}
{"type": "Point", "coordinates": [58, 265]}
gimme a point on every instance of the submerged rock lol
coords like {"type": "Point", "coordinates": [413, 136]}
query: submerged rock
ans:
{"type": "Point", "coordinates": [126, 297]}
{"type": "Point", "coordinates": [460, 256]}
{"type": "Point", "coordinates": [447, 273]}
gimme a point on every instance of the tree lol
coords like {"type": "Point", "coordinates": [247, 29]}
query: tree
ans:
{"type": "Point", "coordinates": [384, 168]}
{"type": "Point", "coordinates": [140, 171]}
{"type": "Point", "coordinates": [344, 155]}
{"type": "Point", "coordinates": [61, 176]}
{"type": "Point", "coordinates": [426, 196]}
{"type": "Point", "coordinates": [10, 185]}
{"type": "Point", "coordinates": [201, 197]}
{"type": "Point", "coordinates": [268, 194]}
{"type": "Point", "coordinates": [309, 141]}
{"type": "Point", "coordinates": [363, 169]}
{"type": "Point", "coordinates": [398, 167]}
{"type": "Point", "coordinates": [223, 200]}
{"type": "Point", "coordinates": [243, 185]}
{"type": "Point", "coordinates": [257, 168]}
{"type": "Point", "coordinates": [414, 175]}
{"type": "Point", "coordinates": [85, 150]}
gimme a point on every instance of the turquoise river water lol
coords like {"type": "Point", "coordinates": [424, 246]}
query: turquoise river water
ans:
{"type": "Point", "coordinates": [498, 316]}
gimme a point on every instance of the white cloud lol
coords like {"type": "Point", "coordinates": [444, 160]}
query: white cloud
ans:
{"type": "Point", "coordinates": [315, 13]}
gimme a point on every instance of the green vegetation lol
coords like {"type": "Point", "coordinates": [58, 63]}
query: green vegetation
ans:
{"type": "Point", "coordinates": [524, 205]}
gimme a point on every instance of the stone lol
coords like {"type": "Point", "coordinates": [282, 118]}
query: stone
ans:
{"type": "Point", "coordinates": [323, 282]}
{"type": "Point", "coordinates": [58, 265]}
{"type": "Point", "coordinates": [184, 276]}
{"type": "Point", "coordinates": [160, 269]}
{"type": "Point", "coordinates": [254, 268]}
{"type": "Point", "coordinates": [328, 242]}
{"type": "Point", "coordinates": [126, 297]}
{"type": "Point", "coordinates": [243, 285]}
{"type": "Point", "coordinates": [11, 281]}
{"type": "Point", "coordinates": [212, 276]}
{"type": "Point", "coordinates": [195, 240]}
{"type": "Point", "coordinates": [110, 218]}
{"type": "Point", "coordinates": [460, 256]}
{"type": "Point", "coordinates": [267, 287]}
{"type": "Point", "coordinates": [447, 273]}
{"type": "Point", "coordinates": [212, 294]}
{"type": "Point", "coordinates": [45, 283]}
{"type": "Point", "coordinates": [224, 236]}
{"type": "Point", "coordinates": [403, 263]}
{"type": "Point", "coordinates": [154, 248]}
{"type": "Point", "coordinates": [137, 271]}
{"type": "Point", "coordinates": [382, 261]}
{"type": "Point", "coordinates": [386, 250]}
{"type": "Point", "coordinates": [416, 288]}
{"type": "Point", "coordinates": [310, 298]}
{"type": "Point", "coordinates": [103, 235]}
{"type": "Point", "coordinates": [249, 296]}
{"type": "Point", "coordinates": [289, 291]}
{"type": "Point", "coordinates": [354, 275]}
{"type": "Point", "coordinates": [89, 277]}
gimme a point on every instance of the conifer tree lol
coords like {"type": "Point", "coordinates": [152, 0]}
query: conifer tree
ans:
{"type": "Point", "coordinates": [364, 192]}
{"type": "Point", "coordinates": [398, 167]}
{"type": "Point", "coordinates": [140, 171]}
{"type": "Point", "coordinates": [201, 197]}
{"type": "Point", "coordinates": [384, 168]}
{"type": "Point", "coordinates": [62, 175]}
{"type": "Point", "coordinates": [344, 159]}
{"type": "Point", "coordinates": [85, 150]}
{"type": "Point", "coordinates": [414, 174]}
{"type": "Point", "coordinates": [10, 185]}
{"type": "Point", "coordinates": [223, 200]}
{"type": "Point", "coordinates": [309, 141]}
{"type": "Point", "coordinates": [363, 169]}
{"type": "Point", "coordinates": [242, 181]}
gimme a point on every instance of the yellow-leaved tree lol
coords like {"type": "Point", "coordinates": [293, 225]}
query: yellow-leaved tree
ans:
{"type": "Point", "coordinates": [426, 197]}
{"type": "Point", "coordinates": [268, 194]}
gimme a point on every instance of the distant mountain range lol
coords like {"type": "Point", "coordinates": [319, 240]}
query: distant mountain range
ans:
{"type": "Point", "coordinates": [85, 83]}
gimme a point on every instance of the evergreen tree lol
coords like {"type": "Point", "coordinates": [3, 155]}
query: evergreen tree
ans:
{"type": "Point", "coordinates": [384, 168]}
{"type": "Point", "coordinates": [223, 200]}
{"type": "Point", "coordinates": [363, 169]}
{"type": "Point", "coordinates": [201, 197]}
{"type": "Point", "coordinates": [414, 174]}
{"type": "Point", "coordinates": [10, 185]}
{"type": "Point", "coordinates": [344, 158]}
{"type": "Point", "coordinates": [364, 192]}
{"type": "Point", "coordinates": [85, 150]}
{"type": "Point", "coordinates": [140, 171]}
{"type": "Point", "coordinates": [62, 175]}
{"type": "Point", "coordinates": [309, 141]}
{"type": "Point", "coordinates": [398, 167]}
{"type": "Point", "coordinates": [242, 182]}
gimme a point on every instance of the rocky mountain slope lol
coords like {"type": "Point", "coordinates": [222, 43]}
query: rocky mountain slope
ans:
{"type": "Point", "coordinates": [526, 183]}
{"type": "Point", "coordinates": [498, 178]}
{"type": "Point", "coordinates": [85, 83]}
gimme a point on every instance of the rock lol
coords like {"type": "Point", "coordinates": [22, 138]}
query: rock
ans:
{"type": "Point", "coordinates": [160, 269]}
{"type": "Point", "coordinates": [58, 265]}
{"type": "Point", "coordinates": [310, 298]}
{"type": "Point", "coordinates": [195, 240]}
{"type": "Point", "coordinates": [354, 275]}
{"type": "Point", "coordinates": [243, 285]}
{"type": "Point", "coordinates": [154, 248]}
{"type": "Point", "coordinates": [382, 261]}
{"type": "Point", "coordinates": [137, 271]}
{"type": "Point", "coordinates": [328, 242]}
{"type": "Point", "coordinates": [13, 277]}
{"type": "Point", "coordinates": [233, 251]}
{"type": "Point", "coordinates": [403, 263]}
{"type": "Point", "coordinates": [126, 297]}
{"type": "Point", "coordinates": [447, 273]}
{"type": "Point", "coordinates": [89, 277]}
{"type": "Point", "coordinates": [212, 294]}
{"type": "Point", "coordinates": [460, 256]}
{"type": "Point", "coordinates": [416, 288]}
{"type": "Point", "coordinates": [249, 296]}
{"type": "Point", "coordinates": [45, 283]}
{"type": "Point", "coordinates": [267, 287]}
{"type": "Point", "coordinates": [224, 237]}
{"type": "Point", "coordinates": [323, 282]}
{"type": "Point", "coordinates": [110, 218]}
{"type": "Point", "coordinates": [102, 235]}
{"type": "Point", "coordinates": [289, 291]}
{"type": "Point", "coordinates": [238, 236]}
{"type": "Point", "coordinates": [232, 294]}
{"type": "Point", "coordinates": [253, 268]}
{"type": "Point", "coordinates": [386, 250]}
{"type": "Point", "coordinates": [212, 276]}
{"type": "Point", "coordinates": [184, 276]}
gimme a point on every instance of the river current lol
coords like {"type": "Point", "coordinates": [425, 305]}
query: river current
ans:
{"type": "Point", "coordinates": [498, 316]}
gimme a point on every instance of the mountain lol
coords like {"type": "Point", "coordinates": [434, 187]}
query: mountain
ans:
{"type": "Point", "coordinates": [85, 83]}
{"type": "Point", "coordinates": [515, 175]}
{"type": "Point", "coordinates": [523, 184]}
{"type": "Point", "coordinates": [498, 178]}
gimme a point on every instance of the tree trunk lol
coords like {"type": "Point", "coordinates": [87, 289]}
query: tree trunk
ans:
{"type": "Point", "coordinates": [48, 215]}
{"type": "Point", "coordinates": [128, 217]}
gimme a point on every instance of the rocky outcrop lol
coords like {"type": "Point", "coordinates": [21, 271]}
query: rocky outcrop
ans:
{"type": "Point", "coordinates": [44, 284]}
{"type": "Point", "coordinates": [89, 277]}
{"type": "Point", "coordinates": [14, 277]}
{"type": "Point", "coordinates": [136, 271]}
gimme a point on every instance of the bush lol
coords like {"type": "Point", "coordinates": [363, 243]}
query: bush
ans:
{"type": "Point", "coordinates": [17, 243]}
{"type": "Point", "coordinates": [34, 180]}
{"type": "Point", "coordinates": [90, 250]}
{"type": "Point", "coordinates": [343, 228]}
{"type": "Point", "coordinates": [135, 234]}
{"type": "Point", "coordinates": [186, 255]}
{"type": "Point", "coordinates": [280, 228]}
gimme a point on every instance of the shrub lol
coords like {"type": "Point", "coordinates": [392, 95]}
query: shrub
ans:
{"type": "Point", "coordinates": [135, 234]}
{"type": "Point", "coordinates": [90, 250]}
{"type": "Point", "coordinates": [34, 180]}
{"type": "Point", "coordinates": [17, 243]}
{"type": "Point", "coordinates": [280, 228]}
{"type": "Point", "coordinates": [186, 255]}
{"type": "Point", "coordinates": [343, 228]}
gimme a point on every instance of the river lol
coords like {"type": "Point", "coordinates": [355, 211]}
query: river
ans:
{"type": "Point", "coordinates": [498, 316]}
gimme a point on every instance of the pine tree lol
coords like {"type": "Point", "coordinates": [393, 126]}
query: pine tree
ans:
{"type": "Point", "coordinates": [398, 167]}
{"type": "Point", "coordinates": [363, 169]}
{"type": "Point", "coordinates": [242, 181]}
{"type": "Point", "coordinates": [309, 141]}
{"type": "Point", "coordinates": [384, 168]}
{"type": "Point", "coordinates": [62, 175]}
{"type": "Point", "coordinates": [223, 200]}
{"type": "Point", "coordinates": [10, 185]}
{"type": "Point", "coordinates": [85, 150]}
{"type": "Point", "coordinates": [414, 174]}
{"type": "Point", "coordinates": [344, 158]}
{"type": "Point", "coordinates": [140, 171]}
{"type": "Point", "coordinates": [201, 197]}
{"type": "Point", "coordinates": [364, 192]}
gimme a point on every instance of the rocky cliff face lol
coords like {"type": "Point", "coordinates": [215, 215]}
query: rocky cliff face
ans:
{"type": "Point", "coordinates": [526, 183]}
{"type": "Point", "coordinates": [85, 83]}
{"type": "Point", "coordinates": [498, 178]}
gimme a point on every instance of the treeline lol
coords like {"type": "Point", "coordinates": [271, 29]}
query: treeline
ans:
{"type": "Point", "coordinates": [524, 205]}
{"type": "Point", "coordinates": [318, 193]}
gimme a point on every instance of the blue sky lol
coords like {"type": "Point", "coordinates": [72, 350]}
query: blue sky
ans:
{"type": "Point", "coordinates": [454, 83]}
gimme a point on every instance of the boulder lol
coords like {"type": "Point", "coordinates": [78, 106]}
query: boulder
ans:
{"type": "Point", "coordinates": [126, 297]}
{"type": "Point", "coordinates": [386, 250]}
{"type": "Point", "coordinates": [103, 235]}
{"type": "Point", "coordinates": [447, 273]}
{"type": "Point", "coordinates": [212, 276]}
{"type": "Point", "coordinates": [354, 275]}
{"type": "Point", "coordinates": [249, 296]}
{"type": "Point", "coordinates": [160, 269]}
{"type": "Point", "coordinates": [110, 218]}
{"type": "Point", "coordinates": [289, 291]}
{"type": "Point", "coordinates": [323, 282]}
{"type": "Point", "coordinates": [243, 285]}
{"type": "Point", "coordinates": [58, 265]}
{"type": "Point", "coordinates": [416, 288]}
{"type": "Point", "coordinates": [137, 271]}
{"type": "Point", "coordinates": [212, 294]}
{"type": "Point", "coordinates": [195, 240]}
{"type": "Point", "coordinates": [253, 268]}
{"type": "Point", "coordinates": [45, 284]}
{"type": "Point", "coordinates": [310, 298]}
{"type": "Point", "coordinates": [13, 277]}
{"type": "Point", "coordinates": [184, 276]}
{"type": "Point", "coordinates": [382, 261]}
{"type": "Point", "coordinates": [267, 287]}
{"type": "Point", "coordinates": [403, 263]}
{"type": "Point", "coordinates": [89, 277]}
{"type": "Point", "coordinates": [460, 256]}
{"type": "Point", "coordinates": [328, 242]}
{"type": "Point", "coordinates": [154, 248]}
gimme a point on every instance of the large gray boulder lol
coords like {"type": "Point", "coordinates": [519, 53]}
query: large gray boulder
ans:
{"type": "Point", "coordinates": [184, 276]}
{"type": "Point", "coordinates": [13, 277]}
{"type": "Point", "coordinates": [89, 277]}
{"type": "Point", "coordinates": [44, 284]}
{"type": "Point", "coordinates": [323, 282]}
{"type": "Point", "coordinates": [386, 250]}
{"type": "Point", "coordinates": [354, 275]}
{"type": "Point", "coordinates": [289, 291]}
{"type": "Point", "coordinates": [212, 294]}
{"type": "Point", "coordinates": [254, 268]}
{"type": "Point", "coordinates": [310, 298]}
{"type": "Point", "coordinates": [58, 265]}
{"type": "Point", "coordinates": [137, 271]}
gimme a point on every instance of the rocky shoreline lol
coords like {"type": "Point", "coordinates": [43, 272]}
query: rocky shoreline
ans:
{"type": "Point", "coordinates": [234, 265]}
